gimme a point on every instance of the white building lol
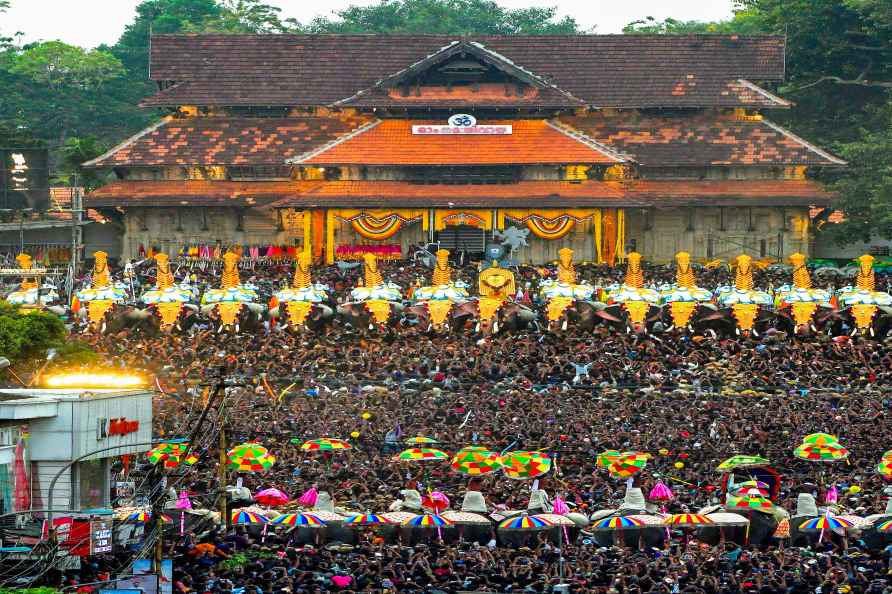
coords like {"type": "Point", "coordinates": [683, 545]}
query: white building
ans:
{"type": "Point", "coordinates": [62, 425]}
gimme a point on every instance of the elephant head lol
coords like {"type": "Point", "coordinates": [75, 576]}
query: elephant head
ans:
{"type": "Point", "coordinates": [566, 271]}
{"type": "Point", "coordinates": [101, 277]}
{"type": "Point", "coordinates": [866, 279]}
{"type": "Point", "coordinates": [442, 271]}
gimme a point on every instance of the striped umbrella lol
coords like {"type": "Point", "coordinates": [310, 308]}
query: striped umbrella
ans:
{"type": "Point", "coordinates": [470, 518]}
{"type": "Point", "coordinates": [299, 519]}
{"type": "Point", "coordinates": [398, 517]}
{"type": "Point", "coordinates": [821, 439]}
{"type": "Point", "coordinates": [366, 520]}
{"type": "Point", "coordinates": [817, 453]}
{"type": "Point", "coordinates": [884, 526]}
{"type": "Point", "coordinates": [476, 460]}
{"type": "Point", "coordinates": [756, 502]}
{"type": "Point", "coordinates": [826, 522]}
{"type": "Point", "coordinates": [556, 519]}
{"type": "Point", "coordinates": [752, 487]}
{"type": "Point", "coordinates": [621, 523]}
{"type": "Point", "coordinates": [240, 516]}
{"type": "Point", "coordinates": [521, 464]}
{"type": "Point", "coordinates": [524, 523]}
{"type": "Point", "coordinates": [422, 455]}
{"type": "Point", "coordinates": [687, 520]}
{"type": "Point", "coordinates": [421, 440]}
{"type": "Point", "coordinates": [427, 521]}
{"type": "Point", "coordinates": [325, 444]}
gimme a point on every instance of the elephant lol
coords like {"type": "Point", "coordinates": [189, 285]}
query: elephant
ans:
{"type": "Point", "coordinates": [617, 316]}
{"type": "Point", "coordinates": [511, 316]}
{"type": "Point", "coordinates": [585, 315]}
{"type": "Point", "coordinates": [250, 317]}
{"type": "Point", "coordinates": [723, 323]}
{"type": "Point", "coordinates": [319, 315]}
{"type": "Point", "coordinates": [186, 318]}
{"type": "Point", "coordinates": [128, 317]}
{"type": "Point", "coordinates": [880, 325]}
{"type": "Point", "coordinates": [357, 314]}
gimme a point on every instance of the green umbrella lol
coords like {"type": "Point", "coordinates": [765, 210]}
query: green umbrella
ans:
{"type": "Point", "coordinates": [742, 461]}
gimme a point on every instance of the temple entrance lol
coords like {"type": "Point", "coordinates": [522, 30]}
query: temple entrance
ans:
{"type": "Point", "coordinates": [462, 237]}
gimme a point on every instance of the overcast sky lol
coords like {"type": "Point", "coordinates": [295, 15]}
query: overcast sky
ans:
{"type": "Point", "coordinates": [92, 22]}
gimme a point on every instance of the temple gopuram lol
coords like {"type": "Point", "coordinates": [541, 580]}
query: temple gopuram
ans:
{"type": "Point", "coordinates": [344, 145]}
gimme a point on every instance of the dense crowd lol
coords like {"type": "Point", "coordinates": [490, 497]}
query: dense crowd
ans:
{"type": "Point", "coordinates": [573, 395]}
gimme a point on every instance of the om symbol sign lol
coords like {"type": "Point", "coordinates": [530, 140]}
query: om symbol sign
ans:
{"type": "Point", "coordinates": [462, 120]}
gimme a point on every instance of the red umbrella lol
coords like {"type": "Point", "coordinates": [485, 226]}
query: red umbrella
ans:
{"type": "Point", "coordinates": [272, 497]}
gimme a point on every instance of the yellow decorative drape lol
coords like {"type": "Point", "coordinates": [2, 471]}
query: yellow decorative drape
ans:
{"type": "Point", "coordinates": [596, 224]}
{"type": "Point", "coordinates": [620, 235]}
{"type": "Point", "coordinates": [475, 218]}
{"type": "Point", "coordinates": [329, 236]}
{"type": "Point", "coordinates": [553, 223]}
{"type": "Point", "coordinates": [308, 235]}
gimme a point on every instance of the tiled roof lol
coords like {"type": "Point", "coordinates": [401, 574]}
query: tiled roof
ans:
{"type": "Point", "coordinates": [463, 97]}
{"type": "Point", "coordinates": [699, 140]}
{"type": "Point", "coordinates": [226, 141]}
{"type": "Point", "coordinates": [391, 142]}
{"type": "Point", "coordinates": [602, 70]}
{"type": "Point", "coordinates": [376, 194]}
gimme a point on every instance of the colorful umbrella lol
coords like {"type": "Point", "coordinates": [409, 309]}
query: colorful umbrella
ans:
{"type": "Point", "coordinates": [826, 522]}
{"type": "Point", "coordinates": [521, 465]}
{"type": "Point", "coordinates": [752, 489]}
{"type": "Point", "coordinates": [607, 458]}
{"type": "Point", "coordinates": [427, 521]}
{"type": "Point", "coordinates": [398, 517]}
{"type": "Point", "coordinates": [758, 503]}
{"type": "Point", "coordinates": [325, 444]}
{"type": "Point", "coordinates": [628, 465]}
{"type": "Point", "coordinates": [884, 468]}
{"type": "Point", "coordinates": [884, 526]}
{"type": "Point", "coordinates": [299, 519]}
{"type": "Point", "coordinates": [171, 454]}
{"type": "Point", "coordinates": [684, 520]}
{"type": "Point", "coordinates": [421, 440]}
{"type": "Point", "coordinates": [742, 461]}
{"type": "Point", "coordinates": [623, 523]}
{"type": "Point", "coordinates": [817, 453]}
{"type": "Point", "coordinates": [887, 455]}
{"type": "Point", "coordinates": [727, 519]}
{"type": "Point", "coordinates": [783, 529]}
{"type": "Point", "coordinates": [366, 520]}
{"type": "Point", "coordinates": [524, 523]}
{"type": "Point", "coordinates": [140, 517]}
{"type": "Point", "coordinates": [272, 497]}
{"type": "Point", "coordinates": [660, 492]}
{"type": "Point", "coordinates": [240, 516]}
{"type": "Point", "coordinates": [422, 455]}
{"type": "Point", "coordinates": [476, 460]}
{"type": "Point", "coordinates": [250, 457]}
{"type": "Point", "coordinates": [555, 519]}
{"type": "Point", "coordinates": [821, 439]}
{"type": "Point", "coordinates": [470, 518]}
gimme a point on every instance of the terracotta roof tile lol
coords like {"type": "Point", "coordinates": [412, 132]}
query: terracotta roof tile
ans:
{"type": "Point", "coordinates": [375, 194]}
{"type": "Point", "coordinates": [391, 142]}
{"type": "Point", "coordinates": [602, 70]}
{"type": "Point", "coordinates": [699, 139]}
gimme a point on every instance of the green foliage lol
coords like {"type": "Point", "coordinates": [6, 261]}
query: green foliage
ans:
{"type": "Point", "coordinates": [456, 17]}
{"type": "Point", "coordinates": [245, 16]}
{"type": "Point", "coordinates": [73, 153]}
{"type": "Point", "coordinates": [58, 66]}
{"type": "Point", "coordinates": [672, 26]}
{"type": "Point", "coordinates": [74, 354]}
{"type": "Point", "coordinates": [234, 562]}
{"type": "Point", "coordinates": [24, 335]}
{"type": "Point", "coordinates": [45, 590]}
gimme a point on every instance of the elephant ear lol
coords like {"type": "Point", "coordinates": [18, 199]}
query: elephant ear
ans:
{"type": "Point", "coordinates": [609, 315]}
{"type": "Point", "coordinates": [719, 314]}
{"type": "Point", "coordinates": [654, 313]}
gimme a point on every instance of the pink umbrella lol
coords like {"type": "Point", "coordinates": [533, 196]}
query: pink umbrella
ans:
{"type": "Point", "coordinates": [560, 507]}
{"type": "Point", "coordinates": [308, 499]}
{"type": "Point", "coordinates": [272, 497]}
{"type": "Point", "coordinates": [661, 492]}
{"type": "Point", "coordinates": [183, 501]}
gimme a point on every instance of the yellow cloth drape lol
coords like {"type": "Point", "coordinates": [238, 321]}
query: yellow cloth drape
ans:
{"type": "Point", "coordinates": [522, 215]}
{"type": "Point", "coordinates": [621, 235]}
{"type": "Point", "coordinates": [329, 236]}
{"type": "Point", "coordinates": [476, 218]}
{"type": "Point", "coordinates": [308, 234]}
{"type": "Point", "coordinates": [405, 214]}
{"type": "Point", "coordinates": [596, 224]}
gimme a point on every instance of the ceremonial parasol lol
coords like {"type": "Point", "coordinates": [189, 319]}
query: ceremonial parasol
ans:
{"type": "Point", "coordinates": [427, 521]}
{"type": "Point", "coordinates": [521, 464]}
{"type": "Point", "coordinates": [727, 519]}
{"type": "Point", "coordinates": [660, 492]}
{"type": "Point", "coordinates": [246, 517]}
{"type": "Point", "coordinates": [422, 455]}
{"type": "Point", "coordinates": [752, 489]}
{"type": "Point", "coordinates": [140, 517]}
{"type": "Point", "coordinates": [555, 519]}
{"type": "Point", "coordinates": [476, 460]}
{"type": "Point", "coordinates": [822, 439]}
{"type": "Point", "coordinates": [817, 453]}
{"type": "Point", "coordinates": [327, 516]}
{"type": "Point", "coordinates": [299, 519]}
{"type": "Point", "coordinates": [687, 520]}
{"type": "Point", "coordinates": [783, 529]}
{"type": "Point", "coordinates": [826, 522]}
{"type": "Point", "coordinates": [171, 454]}
{"type": "Point", "coordinates": [757, 503]}
{"type": "Point", "coordinates": [884, 526]}
{"type": "Point", "coordinates": [608, 457]}
{"type": "Point", "coordinates": [272, 497]}
{"type": "Point", "coordinates": [325, 444]}
{"type": "Point", "coordinates": [421, 440]}
{"type": "Point", "coordinates": [619, 523]}
{"type": "Point", "coordinates": [742, 461]}
{"type": "Point", "coordinates": [524, 522]}
{"type": "Point", "coordinates": [884, 468]}
{"type": "Point", "coordinates": [469, 518]}
{"type": "Point", "coordinates": [366, 520]}
{"type": "Point", "coordinates": [250, 457]}
{"type": "Point", "coordinates": [398, 517]}
{"type": "Point", "coordinates": [628, 465]}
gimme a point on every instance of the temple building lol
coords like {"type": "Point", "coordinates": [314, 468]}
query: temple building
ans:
{"type": "Point", "coordinates": [349, 144]}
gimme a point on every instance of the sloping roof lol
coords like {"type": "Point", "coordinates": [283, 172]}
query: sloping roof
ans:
{"type": "Point", "coordinates": [700, 140]}
{"type": "Point", "coordinates": [602, 70]}
{"type": "Point", "coordinates": [226, 141]}
{"type": "Point", "coordinates": [391, 142]}
{"type": "Point", "coordinates": [376, 194]}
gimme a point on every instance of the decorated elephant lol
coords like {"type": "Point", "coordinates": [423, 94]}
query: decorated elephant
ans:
{"type": "Point", "coordinates": [433, 306]}
{"type": "Point", "coordinates": [495, 309]}
{"type": "Point", "coordinates": [99, 301]}
{"type": "Point", "coordinates": [685, 305]}
{"type": "Point", "coordinates": [34, 295]}
{"type": "Point", "coordinates": [375, 303]}
{"type": "Point", "coordinates": [801, 304]}
{"type": "Point", "coordinates": [869, 310]}
{"type": "Point", "coordinates": [631, 302]}
{"type": "Point", "coordinates": [751, 310]}
{"type": "Point", "coordinates": [169, 304]}
{"type": "Point", "coordinates": [233, 306]}
{"type": "Point", "coordinates": [565, 297]}
{"type": "Point", "coordinates": [304, 304]}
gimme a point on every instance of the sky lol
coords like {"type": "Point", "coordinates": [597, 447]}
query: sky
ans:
{"type": "Point", "coordinates": [89, 23]}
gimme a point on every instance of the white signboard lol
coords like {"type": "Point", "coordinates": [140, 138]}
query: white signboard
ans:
{"type": "Point", "coordinates": [462, 123]}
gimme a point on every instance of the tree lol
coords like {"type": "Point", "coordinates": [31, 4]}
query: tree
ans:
{"type": "Point", "coordinates": [27, 335]}
{"type": "Point", "coordinates": [245, 16]}
{"type": "Point", "coordinates": [74, 153]}
{"type": "Point", "coordinates": [671, 26]}
{"type": "Point", "coordinates": [455, 17]}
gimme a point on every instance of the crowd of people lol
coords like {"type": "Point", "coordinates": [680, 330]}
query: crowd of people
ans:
{"type": "Point", "coordinates": [689, 401]}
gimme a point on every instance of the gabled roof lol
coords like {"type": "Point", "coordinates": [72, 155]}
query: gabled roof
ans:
{"type": "Point", "coordinates": [391, 142]}
{"type": "Point", "coordinates": [601, 70]}
{"type": "Point", "coordinates": [555, 95]}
